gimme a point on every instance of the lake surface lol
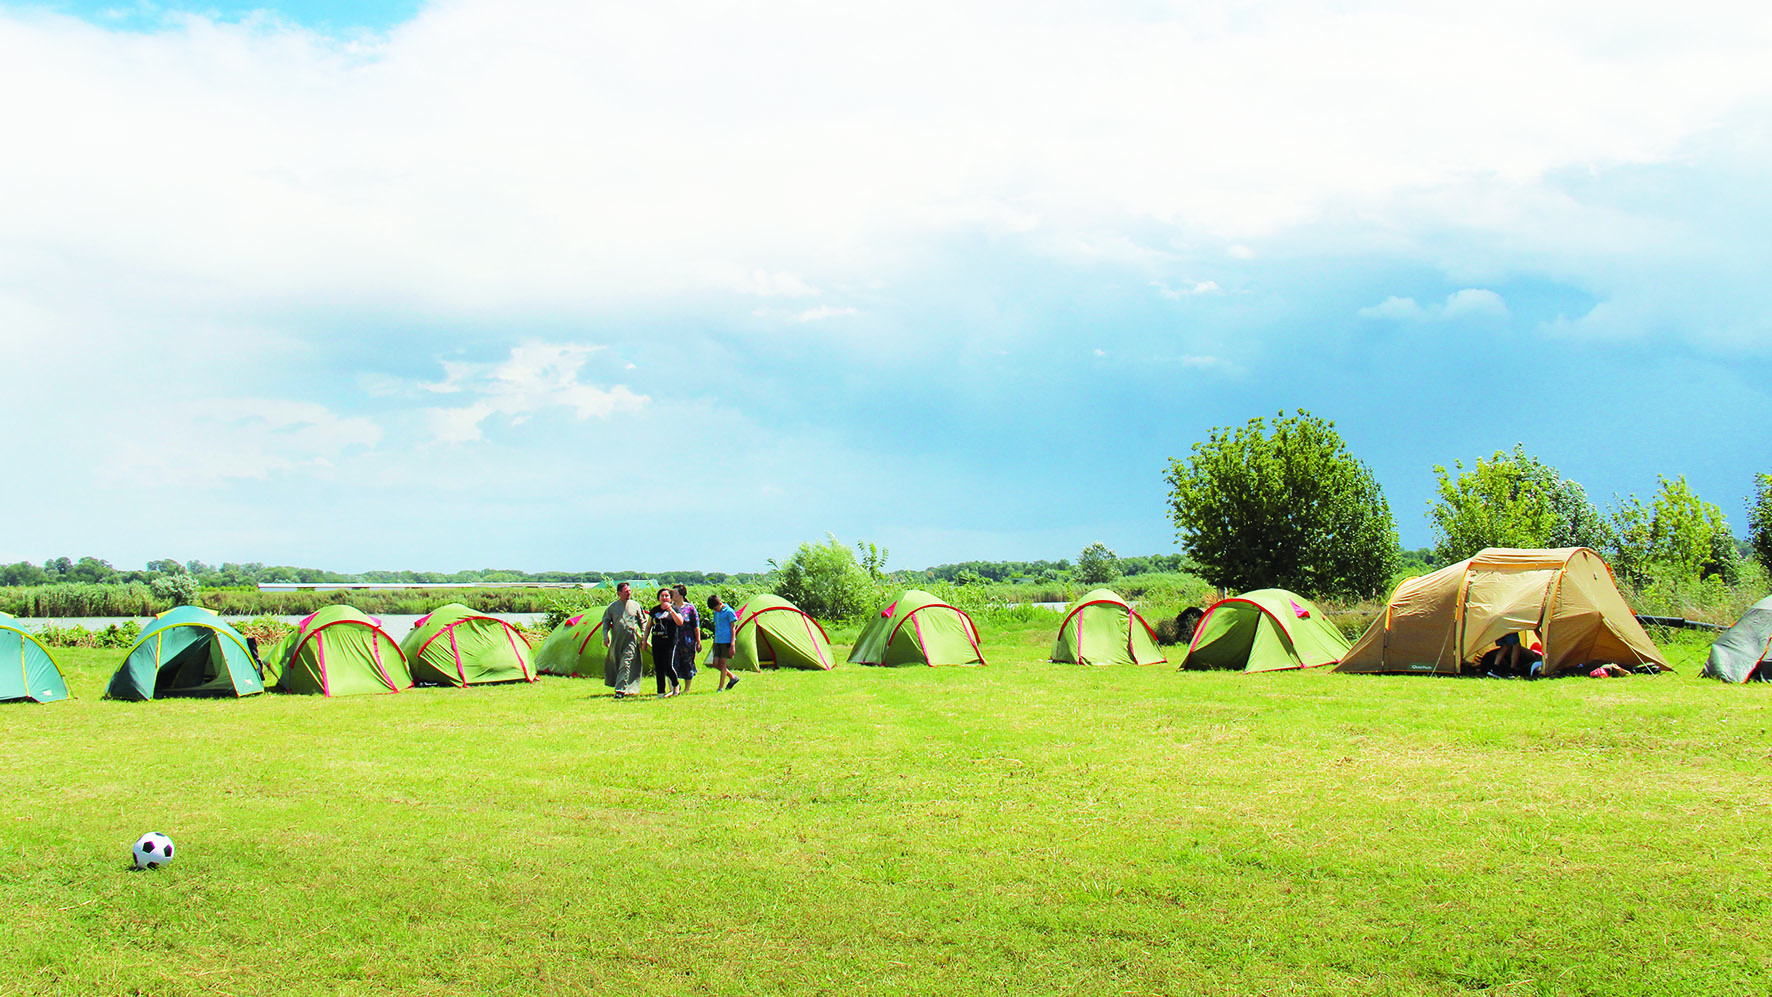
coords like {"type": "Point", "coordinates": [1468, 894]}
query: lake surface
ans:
{"type": "Point", "coordinates": [397, 625]}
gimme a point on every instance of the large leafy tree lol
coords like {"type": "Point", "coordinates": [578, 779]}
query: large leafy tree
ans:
{"type": "Point", "coordinates": [1678, 538]}
{"type": "Point", "coordinates": [1286, 506]}
{"type": "Point", "coordinates": [1511, 500]}
{"type": "Point", "coordinates": [1759, 520]}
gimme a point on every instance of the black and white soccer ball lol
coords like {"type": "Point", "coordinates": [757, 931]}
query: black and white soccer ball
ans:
{"type": "Point", "coordinates": [152, 850]}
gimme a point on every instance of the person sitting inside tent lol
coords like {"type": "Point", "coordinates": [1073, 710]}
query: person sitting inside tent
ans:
{"type": "Point", "coordinates": [1512, 658]}
{"type": "Point", "coordinates": [1521, 655]}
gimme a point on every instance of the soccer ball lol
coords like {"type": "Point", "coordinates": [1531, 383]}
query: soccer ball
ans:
{"type": "Point", "coordinates": [152, 850]}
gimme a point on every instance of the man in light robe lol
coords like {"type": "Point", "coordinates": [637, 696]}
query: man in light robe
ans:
{"type": "Point", "coordinates": [624, 625]}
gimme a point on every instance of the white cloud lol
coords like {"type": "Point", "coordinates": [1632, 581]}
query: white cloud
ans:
{"type": "Point", "coordinates": [198, 444]}
{"type": "Point", "coordinates": [759, 282]}
{"type": "Point", "coordinates": [535, 377]}
{"type": "Point", "coordinates": [822, 312]}
{"type": "Point", "coordinates": [1188, 291]}
{"type": "Point", "coordinates": [1396, 309]}
{"type": "Point", "coordinates": [1471, 304]}
{"type": "Point", "coordinates": [1200, 362]}
{"type": "Point", "coordinates": [1475, 303]}
{"type": "Point", "coordinates": [816, 313]}
{"type": "Point", "coordinates": [487, 153]}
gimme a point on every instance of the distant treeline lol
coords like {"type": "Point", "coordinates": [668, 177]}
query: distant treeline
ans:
{"type": "Point", "coordinates": [97, 571]}
{"type": "Point", "coordinates": [136, 599]}
{"type": "Point", "coordinates": [1034, 572]}
{"type": "Point", "coordinates": [90, 586]}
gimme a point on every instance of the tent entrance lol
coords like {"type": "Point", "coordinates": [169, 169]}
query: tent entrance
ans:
{"type": "Point", "coordinates": [765, 650]}
{"type": "Point", "coordinates": [198, 669]}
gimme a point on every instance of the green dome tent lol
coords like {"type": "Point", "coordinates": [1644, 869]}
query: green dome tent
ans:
{"type": "Point", "coordinates": [456, 646]}
{"type": "Point", "coordinates": [918, 629]}
{"type": "Point", "coordinates": [1101, 629]}
{"type": "Point", "coordinates": [27, 670]}
{"type": "Point", "coordinates": [338, 651]}
{"type": "Point", "coordinates": [774, 633]}
{"type": "Point", "coordinates": [576, 648]}
{"type": "Point", "coordinates": [1265, 630]}
{"type": "Point", "coordinates": [186, 651]}
{"type": "Point", "coordinates": [1741, 652]}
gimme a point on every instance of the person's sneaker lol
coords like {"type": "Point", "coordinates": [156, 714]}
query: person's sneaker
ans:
{"type": "Point", "coordinates": [731, 683]}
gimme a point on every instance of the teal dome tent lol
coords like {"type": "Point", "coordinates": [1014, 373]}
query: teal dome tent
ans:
{"type": "Point", "coordinates": [28, 672]}
{"type": "Point", "coordinates": [187, 651]}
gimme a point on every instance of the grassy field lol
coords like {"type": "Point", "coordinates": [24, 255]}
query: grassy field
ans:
{"type": "Point", "coordinates": [1022, 827]}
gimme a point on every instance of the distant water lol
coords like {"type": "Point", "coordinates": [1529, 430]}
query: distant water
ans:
{"type": "Point", "coordinates": [396, 625]}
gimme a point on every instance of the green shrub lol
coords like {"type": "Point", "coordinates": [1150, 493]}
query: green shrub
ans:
{"type": "Point", "coordinates": [266, 630]}
{"type": "Point", "coordinates": [826, 580]}
{"type": "Point", "coordinates": [117, 635]}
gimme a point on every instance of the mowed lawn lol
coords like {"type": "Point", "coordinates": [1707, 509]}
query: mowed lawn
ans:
{"type": "Point", "coordinates": [1022, 827]}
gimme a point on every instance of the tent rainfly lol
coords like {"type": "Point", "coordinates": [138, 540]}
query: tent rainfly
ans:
{"type": "Point", "coordinates": [186, 651]}
{"type": "Point", "coordinates": [918, 629]}
{"type": "Point", "coordinates": [1265, 630]}
{"type": "Point", "coordinates": [774, 633]}
{"type": "Point", "coordinates": [456, 646]}
{"type": "Point", "coordinates": [1742, 652]}
{"type": "Point", "coordinates": [1441, 623]}
{"type": "Point", "coordinates": [28, 672]}
{"type": "Point", "coordinates": [337, 651]}
{"type": "Point", "coordinates": [1103, 629]}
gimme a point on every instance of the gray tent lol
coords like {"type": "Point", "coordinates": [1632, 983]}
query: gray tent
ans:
{"type": "Point", "coordinates": [1740, 654]}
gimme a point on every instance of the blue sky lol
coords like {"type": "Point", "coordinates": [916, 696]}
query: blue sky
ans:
{"type": "Point", "coordinates": [331, 16]}
{"type": "Point", "coordinates": [684, 284]}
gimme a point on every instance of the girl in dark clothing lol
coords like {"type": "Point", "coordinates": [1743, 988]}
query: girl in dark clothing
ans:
{"type": "Point", "coordinates": [665, 623]}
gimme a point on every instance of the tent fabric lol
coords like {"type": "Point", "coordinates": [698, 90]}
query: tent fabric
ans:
{"type": "Point", "coordinates": [1265, 630]}
{"type": "Point", "coordinates": [575, 648]}
{"type": "Point", "coordinates": [186, 651]}
{"type": "Point", "coordinates": [338, 651]}
{"type": "Point", "coordinates": [1743, 653]}
{"type": "Point", "coordinates": [28, 672]}
{"type": "Point", "coordinates": [1103, 629]}
{"type": "Point", "coordinates": [918, 629]}
{"type": "Point", "coordinates": [1441, 623]}
{"type": "Point", "coordinates": [772, 632]}
{"type": "Point", "coordinates": [457, 646]}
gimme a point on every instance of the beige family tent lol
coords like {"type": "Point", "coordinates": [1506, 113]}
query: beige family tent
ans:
{"type": "Point", "coordinates": [1442, 623]}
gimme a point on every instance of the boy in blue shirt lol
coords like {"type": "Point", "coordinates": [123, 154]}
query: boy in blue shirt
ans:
{"type": "Point", "coordinates": [724, 619]}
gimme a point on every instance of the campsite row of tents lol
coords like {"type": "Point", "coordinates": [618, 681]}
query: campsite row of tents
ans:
{"type": "Point", "coordinates": [338, 651]}
{"type": "Point", "coordinates": [1440, 623]}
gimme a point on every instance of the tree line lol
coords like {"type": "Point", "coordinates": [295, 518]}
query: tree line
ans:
{"type": "Point", "coordinates": [1261, 505]}
{"type": "Point", "coordinates": [97, 571]}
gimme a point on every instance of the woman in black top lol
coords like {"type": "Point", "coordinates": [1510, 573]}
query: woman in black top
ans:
{"type": "Point", "coordinates": [665, 622]}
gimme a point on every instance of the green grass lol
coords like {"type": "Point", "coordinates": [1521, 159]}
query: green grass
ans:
{"type": "Point", "coordinates": [1022, 827]}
